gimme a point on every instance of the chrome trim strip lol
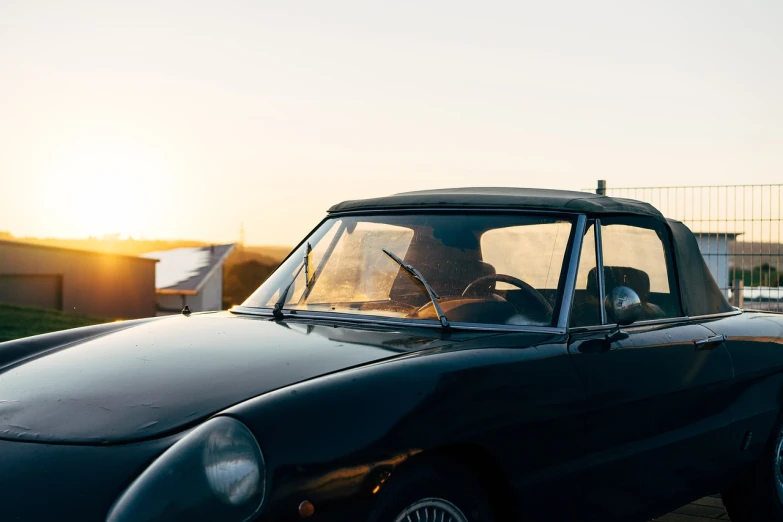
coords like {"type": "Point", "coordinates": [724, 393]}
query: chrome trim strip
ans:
{"type": "Point", "coordinates": [594, 328]}
{"type": "Point", "coordinates": [653, 322]}
{"type": "Point", "coordinates": [610, 326]}
{"type": "Point", "coordinates": [599, 268]}
{"type": "Point", "coordinates": [573, 267]}
{"type": "Point", "coordinates": [716, 316]}
{"type": "Point", "coordinates": [666, 320]}
{"type": "Point", "coordinates": [398, 322]}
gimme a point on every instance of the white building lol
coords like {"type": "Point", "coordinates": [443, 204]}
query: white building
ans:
{"type": "Point", "coordinates": [716, 248]}
{"type": "Point", "coordinates": [190, 277]}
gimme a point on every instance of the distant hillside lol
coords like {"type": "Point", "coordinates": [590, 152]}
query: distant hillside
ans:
{"type": "Point", "coordinates": [276, 252]}
{"type": "Point", "coordinates": [246, 268]}
{"type": "Point", "coordinates": [130, 247]}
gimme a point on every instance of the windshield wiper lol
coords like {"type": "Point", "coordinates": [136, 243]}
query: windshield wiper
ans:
{"type": "Point", "coordinates": [420, 278]}
{"type": "Point", "coordinates": [277, 311]}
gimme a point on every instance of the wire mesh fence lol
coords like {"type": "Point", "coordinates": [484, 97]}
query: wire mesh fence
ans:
{"type": "Point", "coordinates": [738, 228]}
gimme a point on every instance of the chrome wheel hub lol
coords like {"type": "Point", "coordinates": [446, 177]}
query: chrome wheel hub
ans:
{"type": "Point", "coordinates": [779, 467]}
{"type": "Point", "coordinates": [433, 510]}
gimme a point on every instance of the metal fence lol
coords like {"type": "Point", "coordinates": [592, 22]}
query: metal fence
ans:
{"type": "Point", "coordinates": [739, 229]}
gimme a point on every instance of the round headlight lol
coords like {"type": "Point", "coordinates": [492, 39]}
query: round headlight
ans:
{"type": "Point", "coordinates": [231, 465]}
{"type": "Point", "coordinates": [216, 472]}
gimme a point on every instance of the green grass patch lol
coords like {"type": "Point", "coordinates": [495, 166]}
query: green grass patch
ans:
{"type": "Point", "coordinates": [22, 321]}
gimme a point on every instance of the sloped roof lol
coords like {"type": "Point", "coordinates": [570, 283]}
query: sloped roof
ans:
{"type": "Point", "coordinates": [26, 244]}
{"type": "Point", "coordinates": [185, 270]}
{"type": "Point", "coordinates": [504, 197]}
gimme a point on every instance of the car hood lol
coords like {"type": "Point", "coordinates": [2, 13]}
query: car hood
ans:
{"type": "Point", "coordinates": [160, 376]}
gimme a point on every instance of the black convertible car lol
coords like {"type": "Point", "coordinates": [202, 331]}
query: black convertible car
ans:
{"type": "Point", "coordinates": [464, 355]}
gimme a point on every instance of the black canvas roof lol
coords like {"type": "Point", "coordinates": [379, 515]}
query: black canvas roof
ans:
{"type": "Point", "coordinates": [698, 289]}
{"type": "Point", "coordinates": [504, 197]}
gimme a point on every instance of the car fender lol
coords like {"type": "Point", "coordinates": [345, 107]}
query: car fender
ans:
{"type": "Point", "coordinates": [755, 344]}
{"type": "Point", "coordinates": [341, 436]}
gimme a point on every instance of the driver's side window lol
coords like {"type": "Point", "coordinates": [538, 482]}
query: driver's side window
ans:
{"type": "Point", "coordinates": [635, 254]}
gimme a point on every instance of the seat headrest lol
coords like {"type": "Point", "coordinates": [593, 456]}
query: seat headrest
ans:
{"type": "Point", "coordinates": [636, 279]}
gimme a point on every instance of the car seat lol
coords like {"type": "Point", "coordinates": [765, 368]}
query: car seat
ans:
{"type": "Point", "coordinates": [586, 312]}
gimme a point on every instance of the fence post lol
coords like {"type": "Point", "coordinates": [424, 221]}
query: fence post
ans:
{"type": "Point", "coordinates": [601, 190]}
{"type": "Point", "coordinates": [737, 298]}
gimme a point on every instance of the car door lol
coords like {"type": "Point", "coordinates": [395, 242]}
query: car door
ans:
{"type": "Point", "coordinates": [654, 389]}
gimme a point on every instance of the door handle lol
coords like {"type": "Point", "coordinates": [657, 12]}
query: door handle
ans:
{"type": "Point", "coordinates": [709, 343]}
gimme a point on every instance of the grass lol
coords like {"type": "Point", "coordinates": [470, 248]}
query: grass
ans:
{"type": "Point", "coordinates": [22, 321]}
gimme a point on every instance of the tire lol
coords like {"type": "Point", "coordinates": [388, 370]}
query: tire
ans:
{"type": "Point", "coordinates": [758, 495]}
{"type": "Point", "coordinates": [433, 487]}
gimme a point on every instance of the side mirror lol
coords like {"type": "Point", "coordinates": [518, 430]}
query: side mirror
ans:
{"type": "Point", "coordinates": [624, 305]}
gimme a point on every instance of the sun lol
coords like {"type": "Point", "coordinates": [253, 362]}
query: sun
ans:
{"type": "Point", "coordinates": [101, 188]}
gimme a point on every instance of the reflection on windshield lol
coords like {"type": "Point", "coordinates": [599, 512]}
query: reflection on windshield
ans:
{"type": "Point", "coordinates": [510, 265]}
{"type": "Point", "coordinates": [307, 262]}
{"type": "Point", "coordinates": [433, 295]}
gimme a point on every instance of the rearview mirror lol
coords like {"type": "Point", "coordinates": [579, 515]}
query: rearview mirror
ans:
{"type": "Point", "coordinates": [624, 305]}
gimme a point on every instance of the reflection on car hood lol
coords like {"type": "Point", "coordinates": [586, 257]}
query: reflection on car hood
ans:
{"type": "Point", "coordinates": [162, 375]}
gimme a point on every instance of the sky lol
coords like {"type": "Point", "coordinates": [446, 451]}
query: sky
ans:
{"type": "Point", "coordinates": [186, 119]}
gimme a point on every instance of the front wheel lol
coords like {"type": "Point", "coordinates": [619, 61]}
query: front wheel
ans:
{"type": "Point", "coordinates": [436, 491]}
{"type": "Point", "coordinates": [758, 495]}
{"type": "Point", "coordinates": [435, 509]}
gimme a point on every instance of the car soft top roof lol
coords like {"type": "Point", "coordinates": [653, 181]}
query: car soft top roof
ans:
{"type": "Point", "coordinates": [699, 292]}
{"type": "Point", "coordinates": [504, 197]}
{"type": "Point", "coordinates": [698, 289]}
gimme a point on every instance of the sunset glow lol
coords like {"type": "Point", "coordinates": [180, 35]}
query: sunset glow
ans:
{"type": "Point", "coordinates": [99, 188]}
{"type": "Point", "coordinates": [179, 120]}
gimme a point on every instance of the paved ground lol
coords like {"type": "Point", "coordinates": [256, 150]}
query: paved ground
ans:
{"type": "Point", "coordinates": [707, 509]}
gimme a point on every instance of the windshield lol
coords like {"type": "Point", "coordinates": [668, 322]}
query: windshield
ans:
{"type": "Point", "coordinates": [484, 268]}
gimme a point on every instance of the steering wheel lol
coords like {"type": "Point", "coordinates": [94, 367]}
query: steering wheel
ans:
{"type": "Point", "coordinates": [481, 285]}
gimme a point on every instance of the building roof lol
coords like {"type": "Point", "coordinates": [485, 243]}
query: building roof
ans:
{"type": "Point", "coordinates": [184, 271]}
{"type": "Point", "coordinates": [25, 244]}
{"type": "Point", "coordinates": [503, 197]}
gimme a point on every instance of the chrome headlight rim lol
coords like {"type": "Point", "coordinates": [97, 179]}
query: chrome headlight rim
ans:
{"type": "Point", "coordinates": [252, 460]}
{"type": "Point", "coordinates": [197, 474]}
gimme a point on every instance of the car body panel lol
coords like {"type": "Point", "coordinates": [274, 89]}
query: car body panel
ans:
{"type": "Point", "coordinates": [654, 425]}
{"type": "Point", "coordinates": [755, 344]}
{"type": "Point", "coordinates": [44, 482]}
{"type": "Point", "coordinates": [148, 380]}
{"type": "Point", "coordinates": [560, 424]}
{"type": "Point", "coordinates": [515, 396]}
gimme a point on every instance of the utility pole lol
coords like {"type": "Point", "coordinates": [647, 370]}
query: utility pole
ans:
{"type": "Point", "coordinates": [241, 245]}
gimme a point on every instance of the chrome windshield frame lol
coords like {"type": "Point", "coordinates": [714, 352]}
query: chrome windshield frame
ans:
{"type": "Point", "coordinates": [599, 268]}
{"type": "Point", "coordinates": [398, 322]}
{"type": "Point", "coordinates": [569, 287]}
{"type": "Point", "coordinates": [570, 268]}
